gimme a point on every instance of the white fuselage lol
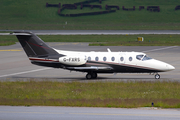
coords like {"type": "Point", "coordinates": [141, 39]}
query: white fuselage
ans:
{"type": "Point", "coordinates": [118, 58]}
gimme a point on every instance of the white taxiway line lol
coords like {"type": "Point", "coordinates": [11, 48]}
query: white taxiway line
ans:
{"type": "Point", "coordinates": [25, 72]}
{"type": "Point", "coordinates": [160, 49]}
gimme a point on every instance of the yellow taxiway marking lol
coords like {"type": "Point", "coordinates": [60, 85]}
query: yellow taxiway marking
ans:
{"type": "Point", "coordinates": [10, 50]}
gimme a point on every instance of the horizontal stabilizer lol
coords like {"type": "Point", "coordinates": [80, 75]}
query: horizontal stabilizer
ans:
{"type": "Point", "coordinates": [20, 34]}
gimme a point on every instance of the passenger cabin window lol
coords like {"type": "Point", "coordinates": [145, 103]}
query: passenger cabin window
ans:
{"type": "Point", "coordinates": [113, 58]}
{"type": "Point", "coordinates": [130, 58]}
{"type": "Point", "coordinates": [89, 58]}
{"type": "Point", "coordinates": [104, 58]}
{"type": "Point", "coordinates": [97, 58]}
{"type": "Point", "coordinates": [122, 58]}
{"type": "Point", "coordinates": [139, 57]}
{"type": "Point", "coordinates": [146, 58]}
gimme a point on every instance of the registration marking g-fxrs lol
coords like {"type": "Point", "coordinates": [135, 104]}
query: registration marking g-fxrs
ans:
{"type": "Point", "coordinates": [71, 59]}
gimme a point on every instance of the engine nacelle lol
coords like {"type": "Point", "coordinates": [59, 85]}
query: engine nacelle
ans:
{"type": "Point", "coordinates": [73, 60]}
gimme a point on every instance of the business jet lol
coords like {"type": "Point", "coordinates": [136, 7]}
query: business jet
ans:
{"type": "Point", "coordinates": [39, 53]}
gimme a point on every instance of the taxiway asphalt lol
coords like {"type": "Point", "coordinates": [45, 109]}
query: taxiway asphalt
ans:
{"type": "Point", "coordinates": [14, 64]}
{"type": "Point", "coordinates": [97, 32]}
{"type": "Point", "coordinates": [85, 113]}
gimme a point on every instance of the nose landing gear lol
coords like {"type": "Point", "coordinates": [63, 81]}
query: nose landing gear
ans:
{"type": "Point", "coordinates": [157, 76]}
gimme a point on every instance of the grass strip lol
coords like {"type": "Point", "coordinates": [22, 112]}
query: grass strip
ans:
{"type": "Point", "coordinates": [33, 14]}
{"type": "Point", "coordinates": [91, 94]}
{"type": "Point", "coordinates": [6, 40]}
{"type": "Point", "coordinates": [105, 40]}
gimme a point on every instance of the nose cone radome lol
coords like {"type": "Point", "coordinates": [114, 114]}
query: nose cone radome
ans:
{"type": "Point", "coordinates": [162, 66]}
{"type": "Point", "coordinates": [170, 67]}
{"type": "Point", "coordinates": [166, 66]}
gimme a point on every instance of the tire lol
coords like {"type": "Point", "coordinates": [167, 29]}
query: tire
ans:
{"type": "Point", "coordinates": [88, 76]}
{"type": "Point", "coordinates": [94, 75]}
{"type": "Point", "coordinates": [157, 76]}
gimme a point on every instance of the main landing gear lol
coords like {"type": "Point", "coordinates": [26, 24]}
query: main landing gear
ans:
{"type": "Point", "coordinates": [91, 75]}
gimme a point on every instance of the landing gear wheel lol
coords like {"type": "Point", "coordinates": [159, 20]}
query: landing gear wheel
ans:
{"type": "Point", "coordinates": [94, 75]}
{"type": "Point", "coordinates": [88, 76]}
{"type": "Point", "coordinates": [157, 76]}
{"type": "Point", "coordinates": [91, 76]}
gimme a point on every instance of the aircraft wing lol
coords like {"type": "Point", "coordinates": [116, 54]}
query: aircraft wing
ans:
{"type": "Point", "coordinates": [90, 68]}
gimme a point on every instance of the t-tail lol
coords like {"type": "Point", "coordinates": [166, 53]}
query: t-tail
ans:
{"type": "Point", "coordinates": [33, 45]}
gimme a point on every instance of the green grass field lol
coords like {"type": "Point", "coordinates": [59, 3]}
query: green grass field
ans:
{"type": "Point", "coordinates": [32, 14]}
{"type": "Point", "coordinates": [91, 94]}
{"type": "Point", "coordinates": [104, 40]}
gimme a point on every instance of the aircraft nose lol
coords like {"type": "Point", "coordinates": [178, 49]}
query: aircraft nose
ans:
{"type": "Point", "coordinates": [163, 66]}
{"type": "Point", "coordinates": [170, 67]}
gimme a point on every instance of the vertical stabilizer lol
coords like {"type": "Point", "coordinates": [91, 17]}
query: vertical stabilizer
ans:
{"type": "Point", "coordinates": [33, 45]}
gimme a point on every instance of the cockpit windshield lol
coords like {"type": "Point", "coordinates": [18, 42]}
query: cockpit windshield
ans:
{"type": "Point", "coordinates": [143, 57]}
{"type": "Point", "coordinates": [146, 58]}
{"type": "Point", "coordinates": [139, 57]}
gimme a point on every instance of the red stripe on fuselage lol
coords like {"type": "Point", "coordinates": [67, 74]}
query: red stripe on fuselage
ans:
{"type": "Point", "coordinates": [42, 59]}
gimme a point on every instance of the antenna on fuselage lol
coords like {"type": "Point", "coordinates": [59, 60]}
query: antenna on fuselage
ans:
{"type": "Point", "coordinates": [108, 50]}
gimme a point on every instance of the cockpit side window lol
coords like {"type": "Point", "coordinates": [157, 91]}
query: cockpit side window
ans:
{"type": "Point", "coordinates": [146, 58]}
{"type": "Point", "coordinates": [139, 57]}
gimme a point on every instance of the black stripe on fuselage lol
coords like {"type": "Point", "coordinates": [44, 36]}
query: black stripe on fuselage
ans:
{"type": "Point", "coordinates": [123, 68]}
